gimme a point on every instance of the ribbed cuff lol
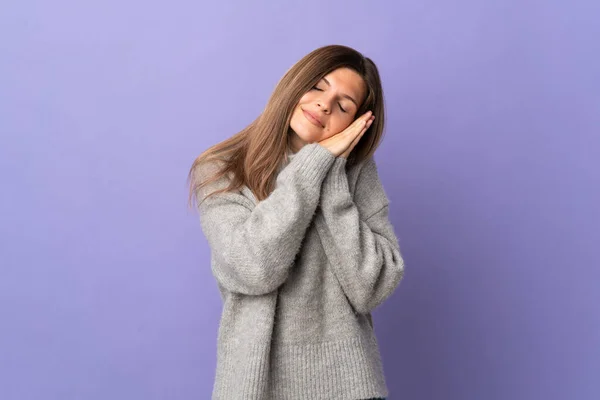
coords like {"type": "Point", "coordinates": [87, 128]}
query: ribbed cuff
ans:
{"type": "Point", "coordinates": [336, 181]}
{"type": "Point", "coordinates": [312, 161]}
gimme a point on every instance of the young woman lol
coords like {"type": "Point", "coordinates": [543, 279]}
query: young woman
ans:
{"type": "Point", "coordinates": [301, 245]}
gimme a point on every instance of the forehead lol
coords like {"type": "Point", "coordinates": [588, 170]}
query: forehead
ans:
{"type": "Point", "coordinates": [348, 81]}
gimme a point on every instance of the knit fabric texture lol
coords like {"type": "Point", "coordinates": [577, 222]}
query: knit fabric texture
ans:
{"type": "Point", "coordinates": [299, 274]}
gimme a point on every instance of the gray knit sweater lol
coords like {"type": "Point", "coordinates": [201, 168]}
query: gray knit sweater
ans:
{"type": "Point", "coordinates": [299, 274]}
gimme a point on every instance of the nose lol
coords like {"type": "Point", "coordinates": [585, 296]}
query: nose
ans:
{"type": "Point", "coordinates": [323, 105]}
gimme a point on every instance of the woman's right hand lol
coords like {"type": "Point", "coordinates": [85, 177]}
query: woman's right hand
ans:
{"type": "Point", "coordinates": [349, 137]}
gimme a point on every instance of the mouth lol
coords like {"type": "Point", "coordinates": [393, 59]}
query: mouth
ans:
{"type": "Point", "coordinates": [313, 120]}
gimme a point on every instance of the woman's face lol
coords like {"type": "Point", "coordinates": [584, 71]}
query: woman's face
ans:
{"type": "Point", "coordinates": [333, 102]}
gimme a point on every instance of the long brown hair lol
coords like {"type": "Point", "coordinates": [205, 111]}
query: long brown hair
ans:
{"type": "Point", "coordinates": [252, 156]}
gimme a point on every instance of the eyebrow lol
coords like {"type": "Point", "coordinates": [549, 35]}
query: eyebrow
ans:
{"type": "Point", "coordinates": [343, 94]}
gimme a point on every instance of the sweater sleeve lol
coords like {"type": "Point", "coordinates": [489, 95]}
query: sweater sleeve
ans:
{"type": "Point", "coordinates": [254, 246]}
{"type": "Point", "coordinates": [358, 236]}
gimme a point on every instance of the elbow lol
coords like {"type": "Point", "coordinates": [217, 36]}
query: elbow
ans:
{"type": "Point", "coordinates": [267, 280]}
{"type": "Point", "coordinates": [366, 300]}
{"type": "Point", "coordinates": [255, 280]}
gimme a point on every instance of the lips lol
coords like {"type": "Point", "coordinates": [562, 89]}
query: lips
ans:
{"type": "Point", "coordinates": [312, 118]}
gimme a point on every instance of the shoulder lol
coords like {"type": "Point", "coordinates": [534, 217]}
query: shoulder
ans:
{"type": "Point", "coordinates": [207, 179]}
{"type": "Point", "coordinates": [208, 168]}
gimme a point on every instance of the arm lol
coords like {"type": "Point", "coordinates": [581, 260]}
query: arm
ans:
{"type": "Point", "coordinates": [358, 237]}
{"type": "Point", "coordinates": [255, 246]}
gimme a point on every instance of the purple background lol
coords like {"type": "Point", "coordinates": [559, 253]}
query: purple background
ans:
{"type": "Point", "coordinates": [490, 160]}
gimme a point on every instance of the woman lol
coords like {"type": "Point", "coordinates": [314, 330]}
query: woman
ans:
{"type": "Point", "coordinates": [302, 247]}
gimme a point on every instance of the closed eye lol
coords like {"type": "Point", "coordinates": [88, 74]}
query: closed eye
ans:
{"type": "Point", "coordinates": [320, 90]}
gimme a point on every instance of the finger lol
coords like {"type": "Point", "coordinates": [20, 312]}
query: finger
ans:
{"type": "Point", "coordinates": [359, 123]}
{"type": "Point", "coordinates": [358, 137]}
{"type": "Point", "coordinates": [363, 118]}
{"type": "Point", "coordinates": [355, 128]}
{"type": "Point", "coordinates": [368, 117]}
{"type": "Point", "coordinates": [363, 130]}
{"type": "Point", "coordinates": [364, 126]}
{"type": "Point", "coordinates": [359, 126]}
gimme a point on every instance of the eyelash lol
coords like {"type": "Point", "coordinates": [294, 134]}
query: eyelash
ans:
{"type": "Point", "coordinates": [316, 88]}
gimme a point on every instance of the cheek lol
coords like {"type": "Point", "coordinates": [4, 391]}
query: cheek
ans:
{"type": "Point", "coordinates": [339, 124]}
{"type": "Point", "coordinates": [298, 114]}
{"type": "Point", "coordinates": [301, 104]}
{"type": "Point", "coordinates": [307, 98]}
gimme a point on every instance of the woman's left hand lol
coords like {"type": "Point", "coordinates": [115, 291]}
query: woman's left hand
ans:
{"type": "Point", "coordinates": [346, 153]}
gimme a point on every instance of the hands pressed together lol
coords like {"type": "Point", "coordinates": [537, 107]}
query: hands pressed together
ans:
{"type": "Point", "coordinates": [341, 144]}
